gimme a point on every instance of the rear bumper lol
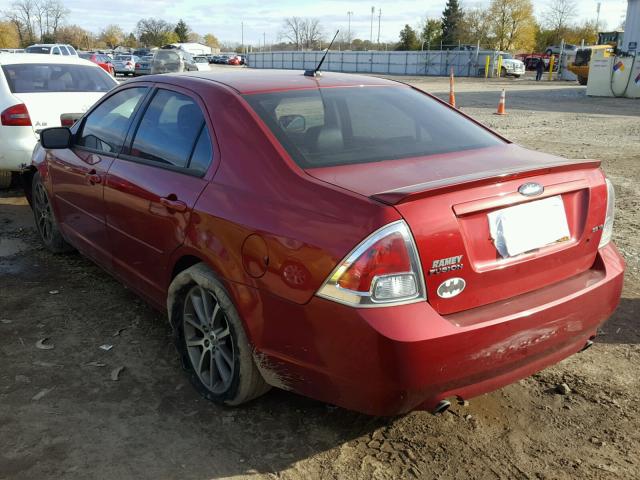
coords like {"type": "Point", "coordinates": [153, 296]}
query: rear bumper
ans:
{"type": "Point", "coordinates": [386, 361]}
{"type": "Point", "coordinates": [17, 145]}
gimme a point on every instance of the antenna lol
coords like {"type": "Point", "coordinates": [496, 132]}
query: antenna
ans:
{"type": "Point", "coordinates": [316, 72]}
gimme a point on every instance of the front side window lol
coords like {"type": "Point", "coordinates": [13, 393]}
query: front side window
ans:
{"type": "Point", "coordinates": [64, 50]}
{"type": "Point", "coordinates": [56, 51]}
{"type": "Point", "coordinates": [72, 50]}
{"type": "Point", "coordinates": [342, 126]}
{"type": "Point", "coordinates": [40, 78]}
{"type": "Point", "coordinates": [105, 128]}
{"type": "Point", "coordinates": [168, 130]}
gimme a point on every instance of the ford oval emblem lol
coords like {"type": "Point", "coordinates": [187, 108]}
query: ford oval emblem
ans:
{"type": "Point", "coordinates": [452, 287]}
{"type": "Point", "coordinates": [531, 189]}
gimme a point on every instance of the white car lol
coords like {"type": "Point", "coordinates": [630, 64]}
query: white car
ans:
{"type": "Point", "coordinates": [35, 92]}
{"type": "Point", "coordinates": [52, 49]}
{"type": "Point", "coordinates": [511, 66]}
{"type": "Point", "coordinates": [202, 63]}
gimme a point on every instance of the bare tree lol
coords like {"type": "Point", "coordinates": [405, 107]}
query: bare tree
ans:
{"type": "Point", "coordinates": [22, 15]}
{"type": "Point", "coordinates": [559, 14]}
{"type": "Point", "coordinates": [311, 33]}
{"type": "Point", "coordinates": [293, 30]}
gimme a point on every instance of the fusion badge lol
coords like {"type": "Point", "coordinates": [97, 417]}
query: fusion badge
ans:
{"type": "Point", "coordinates": [531, 189]}
{"type": "Point", "coordinates": [452, 287]}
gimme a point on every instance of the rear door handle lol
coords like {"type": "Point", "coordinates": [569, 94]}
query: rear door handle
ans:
{"type": "Point", "coordinates": [93, 177]}
{"type": "Point", "coordinates": [172, 203]}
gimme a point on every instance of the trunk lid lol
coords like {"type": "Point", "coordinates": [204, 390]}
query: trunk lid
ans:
{"type": "Point", "coordinates": [446, 200]}
{"type": "Point", "coordinates": [45, 108]}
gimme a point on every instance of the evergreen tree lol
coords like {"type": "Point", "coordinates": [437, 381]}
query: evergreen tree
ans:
{"type": "Point", "coordinates": [182, 31]}
{"type": "Point", "coordinates": [408, 39]}
{"type": "Point", "coordinates": [452, 18]}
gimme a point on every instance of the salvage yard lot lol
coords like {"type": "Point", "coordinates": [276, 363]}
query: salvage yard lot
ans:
{"type": "Point", "coordinates": [62, 415]}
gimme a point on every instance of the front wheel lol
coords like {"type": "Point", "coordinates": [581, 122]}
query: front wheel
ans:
{"type": "Point", "coordinates": [503, 72]}
{"type": "Point", "coordinates": [211, 339]}
{"type": "Point", "coordinates": [46, 223]}
{"type": "Point", "coordinates": [582, 80]}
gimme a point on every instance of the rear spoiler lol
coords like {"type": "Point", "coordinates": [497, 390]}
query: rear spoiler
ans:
{"type": "Point", "coordinates": [419, 190]}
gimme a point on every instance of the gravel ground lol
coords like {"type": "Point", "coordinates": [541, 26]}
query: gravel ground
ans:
{"type": "Point", "coordinates": [61, 415]}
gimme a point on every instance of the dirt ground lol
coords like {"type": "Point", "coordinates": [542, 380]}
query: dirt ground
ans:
{"type": "Point", "coordinates": [61, 415]}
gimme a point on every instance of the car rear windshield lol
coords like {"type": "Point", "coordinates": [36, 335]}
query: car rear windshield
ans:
{"type": "Point", "coordinates": [342, 126]}
{"type": "Point", "coordinates": [45, 50]}
{"type": "Point", "coordinates": [35, 78]}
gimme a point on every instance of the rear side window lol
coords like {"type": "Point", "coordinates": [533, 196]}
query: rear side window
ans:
{"type": "Point", "coordinates": [104, 129]}
{"type": "Point", "coordinates": [202, 153]}
{"type": "Point", "coordinates": [72, 50]}
{"type": "Point", "coordinates": [342, 126]}
{"type": "Point", "coordinates": [36, 78]}
{"type": "Point", "coordinates": [43, 50]}
{"type": "Point", "coordinates": [168, 130]}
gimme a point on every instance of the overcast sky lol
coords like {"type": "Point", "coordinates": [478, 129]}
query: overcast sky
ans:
{"type": "Point", "coordinates": [224, 17]}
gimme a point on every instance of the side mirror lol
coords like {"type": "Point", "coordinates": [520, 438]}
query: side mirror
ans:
{"type": "Point", "coordinates": [293, 123]}
{"type": "Point", "coordinates": [55, 138]}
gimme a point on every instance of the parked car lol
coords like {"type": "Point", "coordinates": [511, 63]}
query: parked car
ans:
{"type": "Point", "coordinates": [143, 66]}
{"type": "Point", "coordinates": [103, 61]}
{"type": "Point", "coordinates": [34, 92]}
{"type": "Point", "coordinates": [52, 49]}
{"type": "Point", "coordinates": [371, 247]}
{"type": "Point", "coordinates": [235, 60]}
{"type": "Point", "coordinates": [222, 59]}
{"type": "Point", "coordinates": [125, 64]}
{"type": "Point", "coordinates": [555, 49]}
{"type": "Point", "coordinates": [172, 61]}
{"type": "Point", "coordinates": [511, 66]}
{"type": "Point", "coordinates": [201, 62]}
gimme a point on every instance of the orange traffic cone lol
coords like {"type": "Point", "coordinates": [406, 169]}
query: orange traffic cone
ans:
{"type": "Point", "coordinates": [501, 105]}
{"type": "Point", "coordinates": [452, 94]}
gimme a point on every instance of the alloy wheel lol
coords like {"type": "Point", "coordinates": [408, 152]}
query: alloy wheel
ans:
{"type": "Point", "coordinates": [208, 340]}
{"type": "Point", "coordinates": [44, 217]}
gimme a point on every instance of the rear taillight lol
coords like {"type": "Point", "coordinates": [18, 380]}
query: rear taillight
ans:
{"type": "Point", "coordinates": [137, 65]}
{"type": "Point", "coordinates": [607, 229]}
{"type": "Point", "coordinates": [66, 120]}
{"type": "Point", "coordinates": [384, 269]}
{"type": "Point", "coordinates": [16, 116]}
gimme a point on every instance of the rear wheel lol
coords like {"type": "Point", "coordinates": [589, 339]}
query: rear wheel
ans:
{"type": "Point", "coordinates": [45, 220]}
{"type": "Point", "coordinates": [503, 72]}
{"type": "Point", "coordinates": [211, 340]}
{"type": "Point", "coordinates": [5, 179]}
{"type": "Point", "coordinates": [582, 80]}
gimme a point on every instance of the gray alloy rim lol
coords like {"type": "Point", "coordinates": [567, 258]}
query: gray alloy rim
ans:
{"type": "Point", "coordinates": [208, 339]}
{"type": "Point", "coordinates": [44, 218]}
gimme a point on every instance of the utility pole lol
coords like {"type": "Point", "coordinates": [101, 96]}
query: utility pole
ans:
{"type": "Point", "coordinates": [379, 17]}
{"type": "Point", "coordinates": [242, 37]}
{"type": "Point", "coordinates": [373, 11]}
{"type": "Point", "coordinates": [264, 41]}
{"type": "Point", "coordinates": [349, 29]}
{"type": "Point", "coordinates": [598, 17]}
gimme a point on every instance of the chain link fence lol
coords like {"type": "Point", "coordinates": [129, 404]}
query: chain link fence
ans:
{"type": "Point", "coordinates": [465, 63]}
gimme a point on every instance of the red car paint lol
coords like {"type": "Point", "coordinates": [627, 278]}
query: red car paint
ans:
{"type": "Point", "coordinates": [145, 224]}
{"type": "Point", "coordinates": [102, 60]}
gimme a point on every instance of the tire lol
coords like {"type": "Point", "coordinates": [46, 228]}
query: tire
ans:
{"type": "Point", "coordinates": [517, 76]}
{"type": "Point", "coordinates": [5, 179]}
{"type": "Point", "coordinates": [211, 340]}
{"type": "Point", "coordinates": [503, 72]}
{"type": "Point", "coordinates": [46, 223]}
{"type": "Point", "coordinates": [582, 80]}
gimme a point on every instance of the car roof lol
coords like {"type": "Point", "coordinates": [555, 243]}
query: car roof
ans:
{"type": "Point", "coordinates": [262, 81]}
{"type": "Point", "coordinates": [13, 58]}
{"type": "Point", "coordinates": [48, 45]}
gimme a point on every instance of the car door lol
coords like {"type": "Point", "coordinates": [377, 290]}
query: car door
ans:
{"type": "Point", "coordinates": [78, 173]}
{"type": "Point", "coordinates": [153, 185]}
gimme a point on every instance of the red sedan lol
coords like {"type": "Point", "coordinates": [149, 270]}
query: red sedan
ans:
{"type": "Point", "coordinates": [349, 238]}
{"type": "Point", "coordinates": [102, 60]}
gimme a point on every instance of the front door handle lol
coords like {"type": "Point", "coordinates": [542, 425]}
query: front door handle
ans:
{"type": "Point", "coordinates": [93, 177]}
{"type": "Point", "coordinates": [172, 203]}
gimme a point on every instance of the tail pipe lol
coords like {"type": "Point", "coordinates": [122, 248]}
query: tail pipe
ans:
{"type": "Point", "coordinates": [442, 407]}
{"type": "Point", "coordinates": [588, 344]}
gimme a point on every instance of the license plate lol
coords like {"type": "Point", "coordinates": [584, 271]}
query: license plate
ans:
{"type": "Point", "coordinates": [529, 226]}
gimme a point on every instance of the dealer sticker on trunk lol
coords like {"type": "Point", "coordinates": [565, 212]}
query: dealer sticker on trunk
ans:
{"type": "Point", "coordinates": [448, 264]}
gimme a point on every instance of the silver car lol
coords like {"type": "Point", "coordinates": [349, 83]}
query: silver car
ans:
{"type": "Point", "coordinates": [125, 64]}
{"type": "Point", "coordinates": [172, 61]}
{"type": "Point", "coordinates": [143, 66]}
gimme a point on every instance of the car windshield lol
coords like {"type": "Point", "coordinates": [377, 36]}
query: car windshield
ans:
{"type": "Point", "coordinates": [35, 49]}
{"type": "Point", "coordinates": [36, 78]}
{"type": "Point", "coordinates": [507, 55]}
{"type": "Point", "coordinates": [167, 55]}
{"type": "Point", "coordinates": [86, 56]}
{"type": "Point", "coordinates": [200, 60]}
{"type": "Point", "coordinates": [123, 58]}
{"type": "Point", "coordinates": [341, 126]}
